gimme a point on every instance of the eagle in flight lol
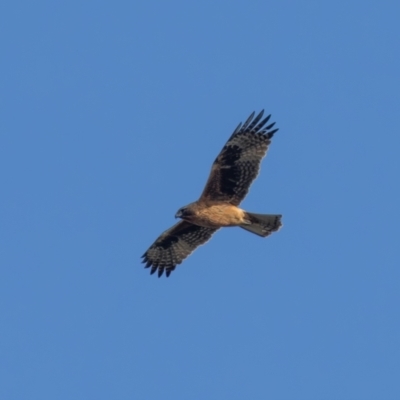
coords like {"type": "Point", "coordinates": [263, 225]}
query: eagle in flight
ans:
{"type": "Point", "coordinates": [231, 175]}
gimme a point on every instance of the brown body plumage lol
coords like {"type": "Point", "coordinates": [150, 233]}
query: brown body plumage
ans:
{"type": "Point", "coordinates": [212, 215]}
{"type": "Point", "coordinates": [231, 175]}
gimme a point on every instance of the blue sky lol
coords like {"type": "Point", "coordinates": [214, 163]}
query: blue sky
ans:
{"type": "Point", "coordinates": [111, 115]}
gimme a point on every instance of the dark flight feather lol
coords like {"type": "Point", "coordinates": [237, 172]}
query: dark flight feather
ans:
{"type": "Point", "coordinates": [174, 245]}
{"type": "Point", "coordinates": [238, 163]}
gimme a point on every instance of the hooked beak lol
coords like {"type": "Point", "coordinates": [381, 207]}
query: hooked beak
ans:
{"type": "Point", "coordinates": [178, 214]}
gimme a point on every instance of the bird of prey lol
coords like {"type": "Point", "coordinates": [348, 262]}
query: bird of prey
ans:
{"type": "Point", "coordinates": [232, 173]}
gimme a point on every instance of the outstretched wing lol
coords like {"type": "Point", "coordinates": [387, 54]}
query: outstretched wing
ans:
{"type": "Point", "coordinates": [238, 164]}
{"type": "Point", "coordinates": [174, 245]}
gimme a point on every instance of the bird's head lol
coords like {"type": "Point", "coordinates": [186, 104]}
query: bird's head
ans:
{"type": "Point", "coordinates": [184, 212]}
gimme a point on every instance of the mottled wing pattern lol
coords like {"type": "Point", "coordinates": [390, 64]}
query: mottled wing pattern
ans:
{"type": "Point", "coordinates": [174, 245]}
{"type": "Point", "coordinates": [238, 164]}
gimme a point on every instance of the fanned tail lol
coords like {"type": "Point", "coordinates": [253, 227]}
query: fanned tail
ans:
{"type": "Point", "coordinates": [262, 224]}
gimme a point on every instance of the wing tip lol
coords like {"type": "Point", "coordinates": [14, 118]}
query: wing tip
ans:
{"type": "Point", "coordinates": [255, 125]}
{"type": "Point", "coordinates": [155, 267]}
{"type": "Point", "coordinates": [272, 133]}
{"type": "Point", "coordinates": [248, 121]}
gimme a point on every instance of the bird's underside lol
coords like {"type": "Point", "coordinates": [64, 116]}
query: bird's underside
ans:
{"type": "Point", "coordinates": [231, 175]}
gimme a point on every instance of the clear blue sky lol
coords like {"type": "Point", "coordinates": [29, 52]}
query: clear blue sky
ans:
{"type": "Point", "coordinates": [111, 115]}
